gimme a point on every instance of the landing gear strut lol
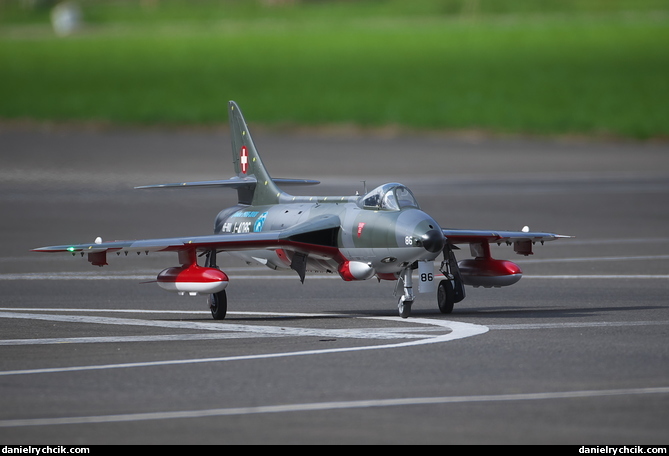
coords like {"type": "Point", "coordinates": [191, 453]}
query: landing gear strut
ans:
{"type": "Point", "coordinates": [407, 298]}
{"type": "Point", "coordinates": [218, 302]}
{"type": "Point", "coordinates": [451, 290]}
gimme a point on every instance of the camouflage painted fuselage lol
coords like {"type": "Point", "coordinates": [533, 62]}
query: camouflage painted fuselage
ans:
{"type": "Point", "coordinates": [386, 235]}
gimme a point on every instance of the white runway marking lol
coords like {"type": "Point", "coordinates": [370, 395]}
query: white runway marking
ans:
{"type": "Point", "coordinates": [323, 406]}
{"type": "Point", "coordinates": [116, 339]}
{"type": "Point", "coordinates": [255, 272]}
{"type": "Point", "coordinates": [231, 330]}
{"type": "Point", "coordinates": [142, 277]}
{"type": "Point", "coordinates": [415, 335]}
{"type": "Point", "coordinates": [590, 324]}
{"type": "Point", "coordinates": [584, 259]}
{"type": "Point", "coordinates": [599, 276]}
{"type": "Point", "coordinates": [85, 276]}
{"type": "Point", "coordinates": [360, 333]}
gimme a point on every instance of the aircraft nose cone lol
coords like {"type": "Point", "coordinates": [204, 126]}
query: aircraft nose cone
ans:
{"type": "Point", "coordinates": [433, 241]}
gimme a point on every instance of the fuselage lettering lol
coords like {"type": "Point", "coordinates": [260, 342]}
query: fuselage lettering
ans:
{"type": "Point", "coordinates": [236, 227]}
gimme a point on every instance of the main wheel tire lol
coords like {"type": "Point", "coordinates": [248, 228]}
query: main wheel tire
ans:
{"type": "Point", "coordinates": [218, 304]}
{"type": "Point", "coordinates": [445, 296]}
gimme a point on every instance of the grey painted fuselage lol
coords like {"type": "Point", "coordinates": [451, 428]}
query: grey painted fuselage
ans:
{"type": "Point", "coordinates": [386, 236]}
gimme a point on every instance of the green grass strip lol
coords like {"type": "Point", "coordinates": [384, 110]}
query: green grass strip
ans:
{"type": "Point", "coordinates": [589, 74]}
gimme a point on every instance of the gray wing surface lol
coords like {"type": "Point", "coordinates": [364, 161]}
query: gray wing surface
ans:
{"type": "Point", "coordinates": [522, 241]}
{"type": "Point", "coordinates": [306, 237]}
{"type": "Point", "coordinates": [474, 236]}
{"type": "Point", "coordinates": [223, 242]}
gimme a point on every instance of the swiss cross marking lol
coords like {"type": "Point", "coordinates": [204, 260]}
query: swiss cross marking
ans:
{"type": "Point", "coordinates": [244, 158]}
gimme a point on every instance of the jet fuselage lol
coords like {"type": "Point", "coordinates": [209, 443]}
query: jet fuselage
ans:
{"type": "Point", "coordinates": [384, 229]}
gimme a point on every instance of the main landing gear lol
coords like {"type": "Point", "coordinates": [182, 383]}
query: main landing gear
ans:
{"type": "Point", "coordinates": [218, 302]}
{"type": "Point", "coordinates": [450, 291]}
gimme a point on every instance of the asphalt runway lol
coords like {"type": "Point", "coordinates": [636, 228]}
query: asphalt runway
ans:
{"type": "Point", "coordinates": [575, 353]}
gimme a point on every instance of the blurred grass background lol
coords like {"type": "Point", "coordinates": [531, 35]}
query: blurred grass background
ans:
{"type": "Point", "coordinates": [547, 67]}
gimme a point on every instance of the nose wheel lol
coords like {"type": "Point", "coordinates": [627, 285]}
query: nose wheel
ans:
{"type": "Point", "coordinates": [404, 307]}
{"type": "Point", "coordinates": [407, 298]}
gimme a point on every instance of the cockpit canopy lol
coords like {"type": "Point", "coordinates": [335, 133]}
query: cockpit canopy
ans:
{"type": "Point", "coordinates": [389, 197]}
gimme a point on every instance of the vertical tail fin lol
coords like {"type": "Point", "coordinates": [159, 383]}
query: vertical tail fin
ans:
{"type": "Point", "coordinates": [247, 163]}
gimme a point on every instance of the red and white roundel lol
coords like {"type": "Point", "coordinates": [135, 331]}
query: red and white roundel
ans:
{"type": "Point", "coordinates": [244, 159]}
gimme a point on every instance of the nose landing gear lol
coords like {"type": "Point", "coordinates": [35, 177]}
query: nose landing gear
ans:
{"type": "Point", "coordinates": [407, 298]}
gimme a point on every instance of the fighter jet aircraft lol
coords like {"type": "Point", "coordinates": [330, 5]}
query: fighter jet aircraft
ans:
{"type": "Point", "coordinates": [382, 234]}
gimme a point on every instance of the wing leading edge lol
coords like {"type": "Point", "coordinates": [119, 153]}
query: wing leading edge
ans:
{"type": "Point", "coordinates": [522, 240]}
{"type": "Point", "coordinates": [468, 236]}
{"type": "Point", "coordinates": [304, 238]}
{"type": "Point", "coordinates": [249, 241]}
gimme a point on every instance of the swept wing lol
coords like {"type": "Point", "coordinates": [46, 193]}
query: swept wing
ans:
{"type": "Point", "coordinates": [479, 240]}
{"type": "Point", "coordinates": [473, 236]}
{"type": "Point", "coordinates": [303, 238]}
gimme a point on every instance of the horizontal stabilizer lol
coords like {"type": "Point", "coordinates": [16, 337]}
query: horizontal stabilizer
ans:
{"type": "Point", "coordinates": [234, 182]}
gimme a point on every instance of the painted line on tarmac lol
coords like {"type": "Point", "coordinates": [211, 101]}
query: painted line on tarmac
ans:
{"type": "Point", "coordinates": [145, 275]}
{"type": "Point", "coordinates": [566, 325]}
{"type": "Point", "coordinates": [586, 259]}
{"type": "Point", "coordinates": [124, 339]}
{"type": "Point", "coordinates": [455, 330]}
{"type": "Point", "coordinates": [327, 406]}
{"type": "Point", "coordinates": [141, 278]}
{"type": "Point", "coordinates": [598, 276]}
{"type": "Point", "coordinates": [229, 331]}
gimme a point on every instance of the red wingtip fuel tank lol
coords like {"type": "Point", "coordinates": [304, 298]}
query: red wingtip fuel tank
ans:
{"type": "Point", "coordinates": [489, 272]}
{"type": "Point", "coordinates": [192, 279]}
